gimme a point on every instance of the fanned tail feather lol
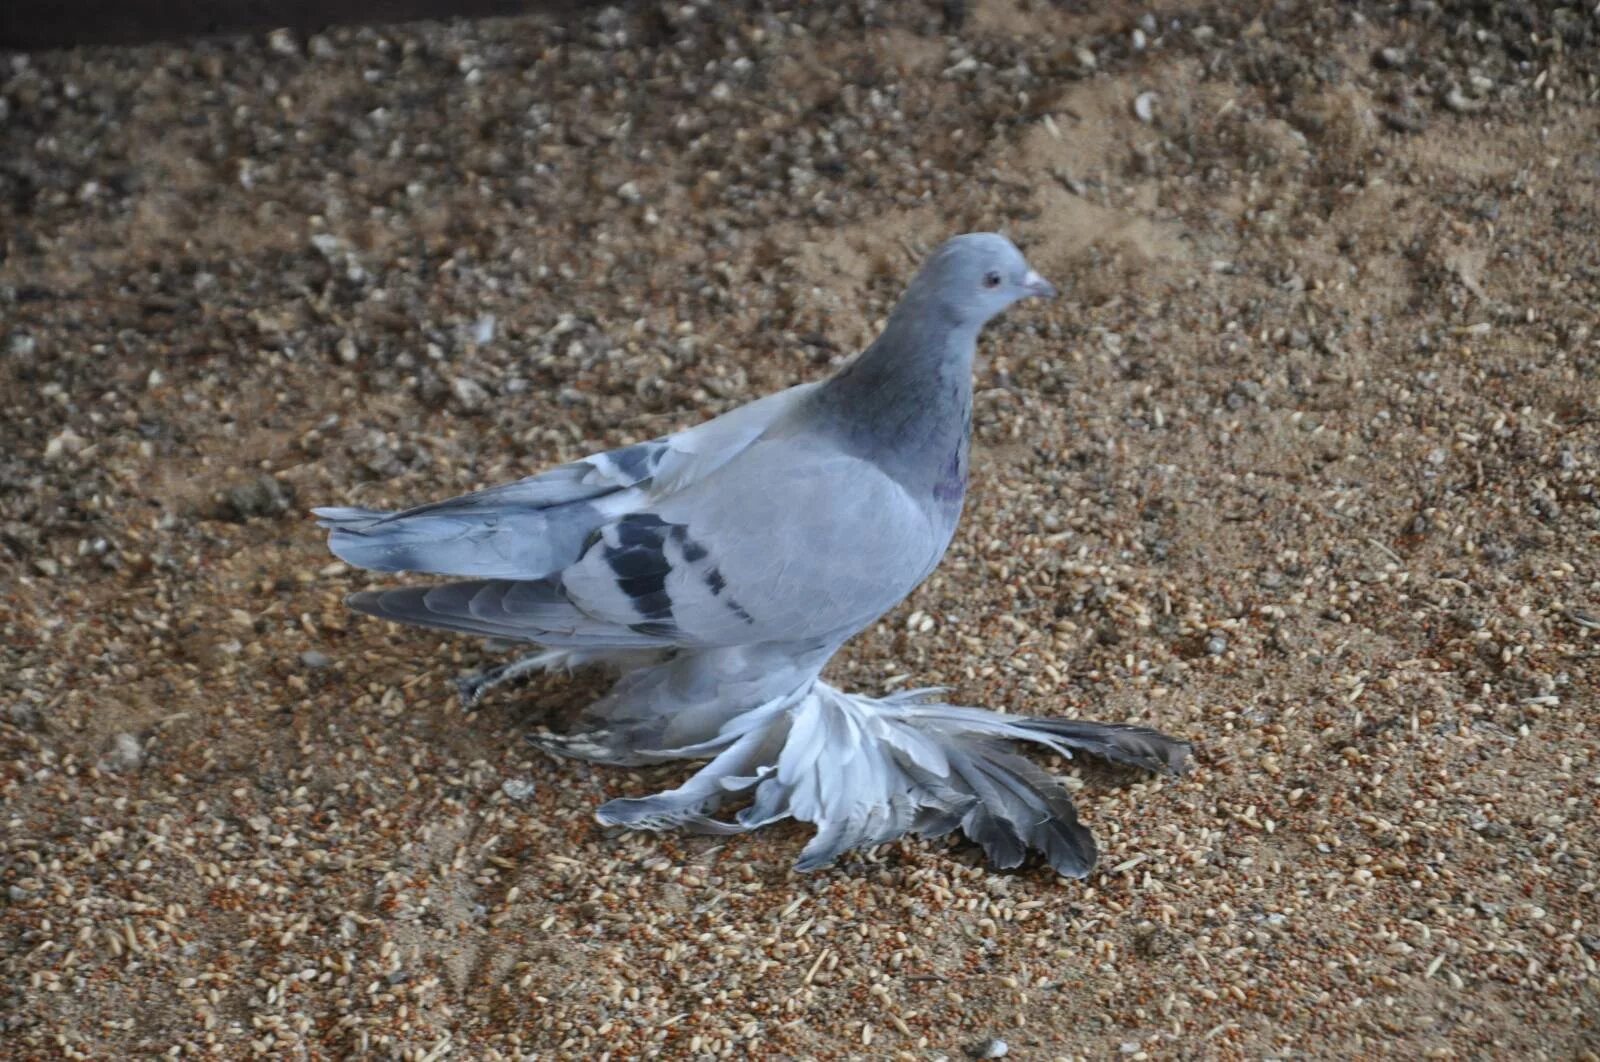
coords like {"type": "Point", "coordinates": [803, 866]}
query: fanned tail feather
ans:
{"type": "Point", "coordinates": [1132, 746]}
{"type": "Point", "coordinates": [866, 771]}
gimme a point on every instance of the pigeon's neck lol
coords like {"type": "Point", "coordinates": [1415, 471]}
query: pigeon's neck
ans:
{"type": "Point", "coordinates": [906, 402]}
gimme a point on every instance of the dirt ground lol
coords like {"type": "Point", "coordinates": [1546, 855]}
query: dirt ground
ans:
{"type": "Point", "coordinates": [1305, 467]}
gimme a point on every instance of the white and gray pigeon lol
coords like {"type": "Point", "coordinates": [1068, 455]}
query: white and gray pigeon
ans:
{"type": "Point", "coordinates": [719, 568]}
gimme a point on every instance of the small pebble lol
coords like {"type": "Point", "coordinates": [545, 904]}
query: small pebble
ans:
{"type": "Point", "coordinates": [518, 789]}
{"type": "Point", "coordinates": [64, 444]}
{"type": "Point", "coordinates": [262, 496]}
{"type": "Point", "coordinates": [127, 752]}
{"type": "Point", "coordinates": [469, 394]}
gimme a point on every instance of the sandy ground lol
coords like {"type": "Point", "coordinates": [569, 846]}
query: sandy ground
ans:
{"type": "Point", "coordinates": [1302, 468]}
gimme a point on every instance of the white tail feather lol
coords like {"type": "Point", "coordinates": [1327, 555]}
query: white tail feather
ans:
{"type": "Point", "coordinates": [867, 770]}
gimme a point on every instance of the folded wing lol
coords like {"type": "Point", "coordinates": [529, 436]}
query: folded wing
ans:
{"type": "Point", "coordinates": [537, 526]}
{"type": "Point", "coordinates": [795, 541]}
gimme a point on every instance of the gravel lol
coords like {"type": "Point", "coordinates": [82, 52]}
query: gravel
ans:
{"type": "Point", "coordinates": [1303, 467]}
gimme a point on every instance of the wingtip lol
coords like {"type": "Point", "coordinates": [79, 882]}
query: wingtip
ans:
{"type": "Point", "coordinates": [1176, 755]}
{"type": "Point", "coordinates": [338, 518]}
{"type": "Point", "coordinates": [1180, 758]}
{"type": "Point", "coordinates": [368, 601]}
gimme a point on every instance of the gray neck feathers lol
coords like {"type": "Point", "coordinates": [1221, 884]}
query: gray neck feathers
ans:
{"type": "Point", "coordinates": [906, 402]}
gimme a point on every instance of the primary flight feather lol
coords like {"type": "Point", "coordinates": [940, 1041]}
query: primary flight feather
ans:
{"type": "Point", "coordinates": [719, 568]}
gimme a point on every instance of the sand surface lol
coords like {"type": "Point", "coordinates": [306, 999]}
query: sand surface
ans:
{"type": "Point", "coordinates": [1304, 467]}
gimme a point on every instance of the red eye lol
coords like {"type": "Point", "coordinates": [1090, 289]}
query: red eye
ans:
{"type": "Point", "coordinates": [991, 280]}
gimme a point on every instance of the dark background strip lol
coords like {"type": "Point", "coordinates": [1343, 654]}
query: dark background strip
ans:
{"type": "Point", "coordinates": [32, 25]}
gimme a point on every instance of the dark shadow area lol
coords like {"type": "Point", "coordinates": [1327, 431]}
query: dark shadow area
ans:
{"type": "Point", "coordinates": [36, 25]}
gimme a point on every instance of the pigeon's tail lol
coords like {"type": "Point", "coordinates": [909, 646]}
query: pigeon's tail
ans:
{"type": "Point", "coordinates": [866, 771]}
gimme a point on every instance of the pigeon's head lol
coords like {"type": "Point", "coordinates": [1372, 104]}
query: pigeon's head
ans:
{"type": "Point", "coordinates": [973, 277]}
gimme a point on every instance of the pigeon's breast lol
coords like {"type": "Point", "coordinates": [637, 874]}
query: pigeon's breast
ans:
{"type": "Point", "coordinates": [949, 492]}
{"type": "Point", "coordinates": [951, 486]}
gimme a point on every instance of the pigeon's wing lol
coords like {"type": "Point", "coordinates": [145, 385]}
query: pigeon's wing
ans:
{"type": "Point", "coordinates": [513, 610]}
{"type": "Point", "coordinates": [794, 540]}
{"type": "Point", "coordinates": [537, 526]}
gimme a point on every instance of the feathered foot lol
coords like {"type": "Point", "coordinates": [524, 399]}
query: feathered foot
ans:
{"type": "Point", "coordinates": [473, 687]}
{"type": "Point", "coordinates": [867, 770]}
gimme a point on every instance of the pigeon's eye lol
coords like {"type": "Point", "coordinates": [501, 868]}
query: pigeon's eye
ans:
{"type": "Point", "coordinates": [991, 279]}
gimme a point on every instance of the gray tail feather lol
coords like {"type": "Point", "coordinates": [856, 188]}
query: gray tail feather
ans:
{"type": "Point", "coordinates": [1008, 806]}
{"type": "Point", "coordinates": [865, 771]}
{"type": "Point", "coordinates": [515, 610]}
{"type": "Point", "coordinates": [1132, 746]}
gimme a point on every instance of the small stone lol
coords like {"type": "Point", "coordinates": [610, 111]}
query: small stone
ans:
{"type": "Point", "coordinates": [1152, 942]}
{"type": "Point", "coordinates": [1461, 103]}
{"type": "Point", "coordinates": [313, 658]}
{"type": "Point", "coordinates": [127, 752]}
{"type": "Point", "coordinates": [518, 789]}
{"type": "Point", "coordinates": [1249, 389]}
{"type": "Point", "coordinates": [1391, 58]}
{"type": "Point", "coordinates": [22, 715]}
{"type": "Point", "coordinates": [992, 1048]}
{"type": "Point", "coordinates": [262, 496]}
{"type": "Point", "coordinates": [1216, 644]}
{"type": "Point", "coordinates": [283, 42]}
{"type": "Point", "coordinates": [431, 390]}
{"type": "Point", "coordinates": [64, 445]}
{"type": "Point", "coordinates": [470, 395]}
{"type": "Point", "coordinates": [1404, 119]}
{"type": "Point", "coordinates": [1144, 107]}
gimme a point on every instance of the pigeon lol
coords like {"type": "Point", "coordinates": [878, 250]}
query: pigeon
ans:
{"type": "Point", "coordinates": [717, 570]}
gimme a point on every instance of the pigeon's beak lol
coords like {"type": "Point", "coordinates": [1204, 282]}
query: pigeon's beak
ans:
{"type": "Point", "coordinates": [1036, 285]}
